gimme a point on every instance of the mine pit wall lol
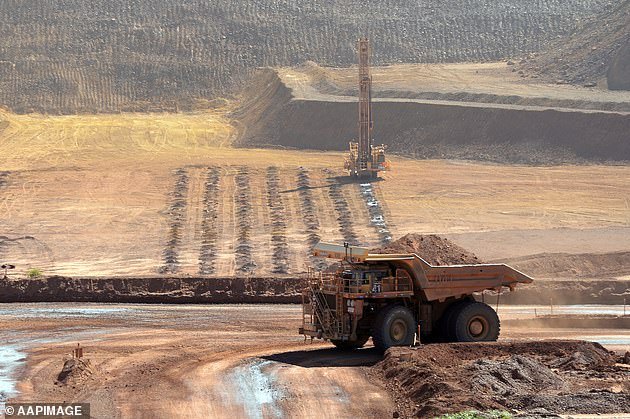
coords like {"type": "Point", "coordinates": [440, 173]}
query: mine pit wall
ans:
{"type": "Point", "coordinates": [526, 135]}
{"type": "Point", "coordinates": [262, 290]}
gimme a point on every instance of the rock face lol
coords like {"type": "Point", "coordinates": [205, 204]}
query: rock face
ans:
{"type": "Point", "coordinates": [619, 71]}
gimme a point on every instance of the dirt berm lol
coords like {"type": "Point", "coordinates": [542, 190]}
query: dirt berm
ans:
{"type": "Point", "coordinates": [264, 290]}
{"type": "Point", "coordinates": [271, 115]}
{"type": "Point", "coordinates": [287, 289]}
{"type": "Point", "coordinates": [543, 377]}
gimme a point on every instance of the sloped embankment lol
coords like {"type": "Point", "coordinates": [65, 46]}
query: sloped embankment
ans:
{"type": "Point", "coordinates": [597, 49]}
{"type": "Point", "coordinates": [618, 75]}
{"type": "Point", "coordinates": [271, 115]}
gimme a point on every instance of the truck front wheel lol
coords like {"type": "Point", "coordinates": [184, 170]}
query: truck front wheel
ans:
{"type": "Point", "coordinates": [394, 326]}
{"type": "Point", "coordinates": [476, 322]}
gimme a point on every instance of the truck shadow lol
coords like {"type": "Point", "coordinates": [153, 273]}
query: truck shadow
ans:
{"type": "Point", "coordinates": [328, 358]}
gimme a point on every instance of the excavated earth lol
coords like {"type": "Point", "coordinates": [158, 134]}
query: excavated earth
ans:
{"type": "Point", "coordinates": [533, 379]}
{"type": "Point", "coordinates": [139, 55]}
{"type": "Point", "coordinates": [417, 116]}
{"type": "Point", "coordinates": [434, 249]}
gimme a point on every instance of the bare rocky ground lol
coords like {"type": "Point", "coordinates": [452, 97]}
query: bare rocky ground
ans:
{"type": "Point", "coordinates": [479, 112]}
{"type": "Point", "coordinates": [284, 288]}
{"type": "Point", "coordinates": [120, 55]}
{"type": "Point", "coordinates": [528, 378]}
{"type": "Point", "coordinates": [595, 54]}
{"type": "Point", "coordinates": [234, 360]}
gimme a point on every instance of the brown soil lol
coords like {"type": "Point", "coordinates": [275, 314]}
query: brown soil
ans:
{"type": "Point", "coordinates": [209, 360]}
{"type": "Point", "coordinates": [286, 109]}
{"type": "Point", "coordinates": [558, 376]}
{"type": "Point", "coordinates": [563, 265]}
{"type": "Point", "coordinates": [434, 249]}
{"type": "Point", "coordinates": [178, 290]}
{"type": "Point", "coordinates": [200, 362]}
{"type": "Point", "coordinates": [75, 371]}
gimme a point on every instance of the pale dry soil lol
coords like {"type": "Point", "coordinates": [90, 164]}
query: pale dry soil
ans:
{"type": "Point", "coordinates": [208, 361]}
{"type": "Point", "coordinates": [90, 195]}
{"type": "Point", "coordinates": [487, 83]}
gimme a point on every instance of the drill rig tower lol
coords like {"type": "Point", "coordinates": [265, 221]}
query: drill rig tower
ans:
{"type": "Point", "coordinates": [365, 159]}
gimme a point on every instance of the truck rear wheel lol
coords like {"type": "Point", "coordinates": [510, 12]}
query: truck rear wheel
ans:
{"type": "Point", "coordinates": [476, 322]}
{"type": "Point", "coordinates": [349, 345]}
{"type": "Point", "coordinates": [447, 322]}
{"type": "Point", "coordinates": [394, 326]}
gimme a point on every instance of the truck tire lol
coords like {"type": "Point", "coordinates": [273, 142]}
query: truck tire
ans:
{"type": "Point", "coordinates": [476, 322]}
{"type": "Point", "coordinates": [349, 345]}
{"type": "Point", "coordinates": [394, 326]}
{"type": "Point", "coordinates": [447, 322]}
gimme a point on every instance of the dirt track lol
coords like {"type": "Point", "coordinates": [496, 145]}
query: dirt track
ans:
{"type": "Point", "coordinates": [228, 360]}
{"type": "Point", "coordinates": [221, 361]}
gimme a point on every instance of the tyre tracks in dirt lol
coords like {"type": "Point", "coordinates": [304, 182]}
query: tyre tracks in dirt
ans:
{"type": "Point", "coordinates": [209, 222]}
{"type": "Point", "coordinates": [244, 222]}
{"type": "Point", "coordinates": [247, 363]}
{"type": "Point", "coordinates": [342, 210]}
{"type": "Point", "coordinates": [239, 220]}
{"type": "Point", "coordinates": [177, 215]}
{"type": "Point", "coordinates": [278, 219]}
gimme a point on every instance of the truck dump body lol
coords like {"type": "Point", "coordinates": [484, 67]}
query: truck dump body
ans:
{"type": "Point", "coordinates": [441, 282]}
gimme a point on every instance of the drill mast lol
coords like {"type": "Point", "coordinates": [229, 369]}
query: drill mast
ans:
{"type": "Point", "coordinates": [365, 159]}
{"type": "Point", "coordinates": [365, 105]}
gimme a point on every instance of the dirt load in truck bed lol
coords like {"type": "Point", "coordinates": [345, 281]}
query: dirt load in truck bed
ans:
{"type": "Point", "coordinates": [544, 377]}
{"type": "Point", "coordinates": [436, 250]}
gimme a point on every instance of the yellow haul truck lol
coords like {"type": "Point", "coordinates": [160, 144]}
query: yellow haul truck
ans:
{"type": "Point", "coordinates": [395, 297]}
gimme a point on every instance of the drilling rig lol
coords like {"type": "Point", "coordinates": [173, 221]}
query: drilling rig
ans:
{"type": "Point", "coordinates": [365, 159]}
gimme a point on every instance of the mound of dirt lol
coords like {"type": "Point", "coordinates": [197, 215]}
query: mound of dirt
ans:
{"type": "Point", "coordinates": [434, 249]}
{"type": "Point", "coordinates": [517, 374]}
{"type": "Point", "coordinates": [74, 371]}
{"type": "Point", "coordinates": [559, 376]}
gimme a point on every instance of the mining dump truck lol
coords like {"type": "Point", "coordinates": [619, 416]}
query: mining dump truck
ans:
{"type": "Point", "coordinates": [396, 298]}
